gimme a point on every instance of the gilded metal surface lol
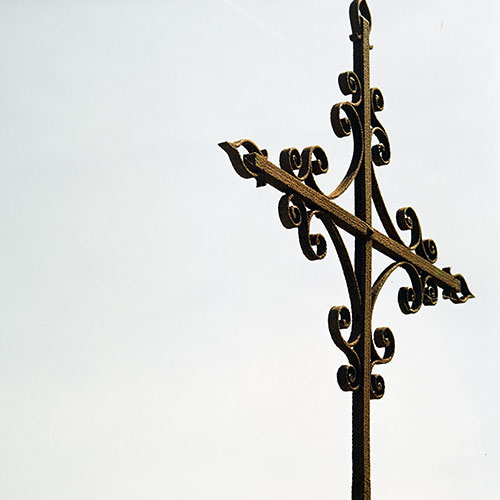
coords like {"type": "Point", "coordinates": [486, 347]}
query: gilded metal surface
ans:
{"type": "Point", "coordinates": [351, 327]}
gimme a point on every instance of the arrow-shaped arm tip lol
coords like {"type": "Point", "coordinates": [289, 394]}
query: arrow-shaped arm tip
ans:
{"type": "Point", "coordinates": [243, 164]}
{"type": "Point", "coordinates": [457, 297]}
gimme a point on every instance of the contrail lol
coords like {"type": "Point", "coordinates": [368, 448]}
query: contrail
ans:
{"type": "Point", "coordinates": [277, 35]}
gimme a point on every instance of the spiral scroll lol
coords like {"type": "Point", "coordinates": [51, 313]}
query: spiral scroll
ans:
{"type": "Point", "coordinates": [348, 376]}
{"type": "Point", "coordinates": [407, 220]}
{"type": "Point", "coordinates": [430, 290]}
{"type": "Point", "coordinates": [381, 152]}
{"type": "Point", "coordinates": [406, 217]}
{"type": "Point", "coordinates": [382, 338]}
{"type": "Point", "coordinates": [345, 121]}
{"type": "Point", "coordinates": [293, 213]}
{"type": "Point", "coordinates": [343, 126]}
{"type": "Point", "coordinates": [410, 298]}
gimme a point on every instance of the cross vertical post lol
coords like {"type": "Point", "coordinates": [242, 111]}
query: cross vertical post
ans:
{"type": "Point", "coordinates": [304, 200]}
{"type": "Point", "coordinates": [363, 269]}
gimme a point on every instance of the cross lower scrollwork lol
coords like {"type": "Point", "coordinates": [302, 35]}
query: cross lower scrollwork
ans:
{"type": "Point", "coordinates": [303, 200]}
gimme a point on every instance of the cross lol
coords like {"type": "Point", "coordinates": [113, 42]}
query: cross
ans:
{"type": "Point", "coordinates": [303, 200]}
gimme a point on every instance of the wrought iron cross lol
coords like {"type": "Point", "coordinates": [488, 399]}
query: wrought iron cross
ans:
{"type": "Point", "coordinates": [303, 200]}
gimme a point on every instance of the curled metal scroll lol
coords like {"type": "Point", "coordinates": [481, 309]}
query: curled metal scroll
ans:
{"type": "Point", "coordinates": [382, 338]}
{"type": "Point", "coordinates": [345, 120]}
{"type": "Point", "coordinates": [304, 166]}
{"type": "Point", "coordinates": [381, 152]}
{"type": "Point", "coordinates": [343, 126]}
{"type": "Point", "coordinates": [430, 290]}
{"type": "Point", "coordinates": [294, 214]}
{"type": "Point", "coordinates": [407, 220]}
{"type": "Point", "coordinates": [410, 298]}
{"type": "Point", "coordinates": [406, 217]}
{"type": "Point", "coordinates": [348, 376]}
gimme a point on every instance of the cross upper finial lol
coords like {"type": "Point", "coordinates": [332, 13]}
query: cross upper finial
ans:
{"type": "Point", "coordinates": [357, 11]}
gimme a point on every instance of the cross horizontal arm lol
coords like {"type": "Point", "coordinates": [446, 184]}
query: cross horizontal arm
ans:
{"type": "Point", "coordinates": [267, 172]}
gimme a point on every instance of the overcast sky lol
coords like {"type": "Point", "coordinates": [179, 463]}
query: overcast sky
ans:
{"type": "Point", "coordinates": [161, 334]}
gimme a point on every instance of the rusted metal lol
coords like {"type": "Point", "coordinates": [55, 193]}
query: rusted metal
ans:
{"type": "Point", "coordinates": [303, 200]}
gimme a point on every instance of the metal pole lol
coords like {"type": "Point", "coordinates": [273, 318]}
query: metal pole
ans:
{"type": "Point", "coordinates": [361, 488]}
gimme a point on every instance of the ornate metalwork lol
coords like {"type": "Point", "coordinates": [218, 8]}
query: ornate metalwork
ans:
{"type": "Point", "coordinates": [303, 200]}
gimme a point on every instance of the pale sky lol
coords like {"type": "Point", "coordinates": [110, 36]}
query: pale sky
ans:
{"type": "Point", "coordinates": [162, 335]}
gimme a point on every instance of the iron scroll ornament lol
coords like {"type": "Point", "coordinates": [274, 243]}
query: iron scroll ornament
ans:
{"type": "Point", "coordinates": [303, 200]}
